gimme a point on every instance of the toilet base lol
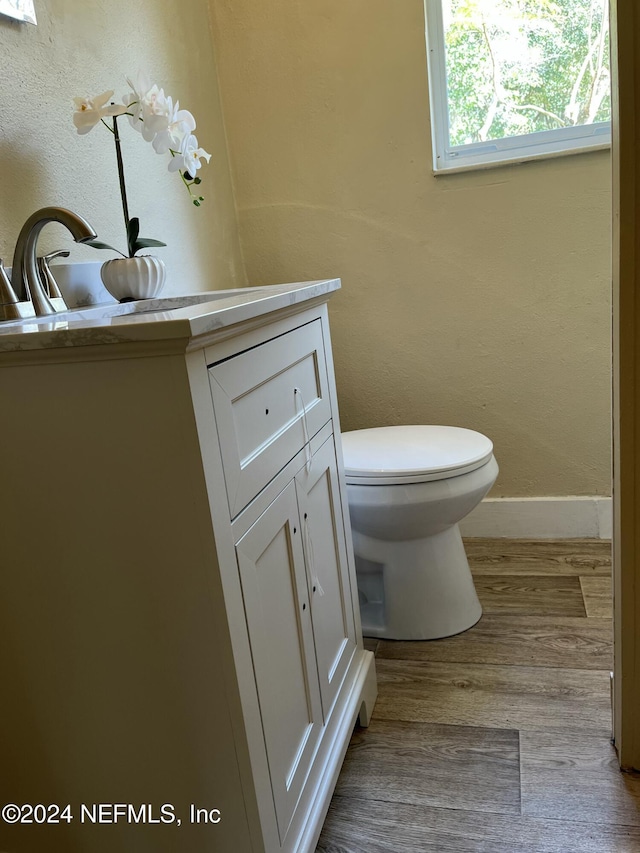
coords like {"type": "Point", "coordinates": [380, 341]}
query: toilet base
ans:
{"type": "Point", "coordinates": [419, 589]}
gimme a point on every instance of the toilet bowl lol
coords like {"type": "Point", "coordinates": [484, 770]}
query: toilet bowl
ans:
{"type": "Point", "coordinates": [408, 488]}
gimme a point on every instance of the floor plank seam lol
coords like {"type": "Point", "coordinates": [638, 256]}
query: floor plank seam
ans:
{"type": "Point", "coordinates": [449, 809]}
{"type": "Point", "coordinates": [516, 667]}
{"type": "Point", "coordinates": [464, 662]}
{"type": "Point", "coordinates": [520, 771]}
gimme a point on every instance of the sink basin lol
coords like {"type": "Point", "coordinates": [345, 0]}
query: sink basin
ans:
{"type": "Point", "coordinates": [128, 309]}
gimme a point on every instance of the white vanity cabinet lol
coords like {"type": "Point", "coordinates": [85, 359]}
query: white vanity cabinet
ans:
{"type": "Point", "coordinates": [273, 407]}
{"type": "Point", "coordinates": [178, 604]}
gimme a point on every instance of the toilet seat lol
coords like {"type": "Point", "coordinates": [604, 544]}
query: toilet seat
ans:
{"type": "Point", "coordinates": [398, 455]}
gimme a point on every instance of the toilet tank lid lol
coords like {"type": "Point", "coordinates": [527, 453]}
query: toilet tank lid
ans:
{"type": "Point", "coordinates": [411, 451]}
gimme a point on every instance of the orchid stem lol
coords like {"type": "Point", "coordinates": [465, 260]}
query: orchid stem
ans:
{"type": "Point", "coordinates": [123, 190]}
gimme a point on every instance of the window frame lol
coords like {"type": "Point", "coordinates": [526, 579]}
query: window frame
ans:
{"type": "Point", "coordinates": [495, 152]}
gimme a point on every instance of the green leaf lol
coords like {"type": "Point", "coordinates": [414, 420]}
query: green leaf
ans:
{"type": "Point", "coordinates": [133, 229]}
{"type": "Point", "coordinates": [98, 245]}
{"type": "Point", "coordinates": [144, 243]}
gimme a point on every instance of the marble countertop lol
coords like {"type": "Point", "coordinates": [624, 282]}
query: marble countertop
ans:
{"type": "Point", "coordinates": [187, 316]}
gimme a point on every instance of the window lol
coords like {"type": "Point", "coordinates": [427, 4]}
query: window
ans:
{"type": "Point", "coordinates": [514, 80]}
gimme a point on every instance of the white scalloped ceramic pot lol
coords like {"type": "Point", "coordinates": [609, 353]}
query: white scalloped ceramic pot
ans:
{"type": "Point", "coordinates": [133, 278]}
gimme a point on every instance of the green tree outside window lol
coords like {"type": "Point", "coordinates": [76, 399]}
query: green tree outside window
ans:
{"type": "Point", "coordinates": [516, 67]}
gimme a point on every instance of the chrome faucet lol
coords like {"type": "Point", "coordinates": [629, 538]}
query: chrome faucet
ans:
{"type": "Point", "coordinates": [26, 280]}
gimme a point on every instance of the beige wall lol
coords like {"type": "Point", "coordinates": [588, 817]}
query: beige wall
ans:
{"type": "Point", "coordinates": [481, 300]}
{"type": "Point", "coordinates": [83, 48]}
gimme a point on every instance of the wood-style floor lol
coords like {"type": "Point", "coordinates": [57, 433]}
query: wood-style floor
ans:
{"type": "Point", "coordinates": [497, 739]}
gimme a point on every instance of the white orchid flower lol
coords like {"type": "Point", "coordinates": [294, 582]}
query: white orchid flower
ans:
{"type": "Point", "coordinates": [165, 125]}
{"type": "Point", "coordinates": [155, 113]}
{"type": "Point", "coordinates": [135, 98]}
{"type": "Point", "coordinates": [181, 123]}
{"type": "Point", "coordinates": [89, 111]}
{"type": "Point", "coordinates": [189, 156]}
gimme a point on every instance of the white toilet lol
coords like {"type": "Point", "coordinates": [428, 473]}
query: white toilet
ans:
{"type": "Point", "coordinates": [408, 488]}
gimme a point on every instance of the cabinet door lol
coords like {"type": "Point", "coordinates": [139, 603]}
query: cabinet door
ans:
{"type": "Point", "coordinates": [274, 586]}
{"type": "Point", "coordinates": [327, 570]}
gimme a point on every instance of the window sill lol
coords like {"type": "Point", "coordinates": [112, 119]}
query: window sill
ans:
{"type": "Point", "coordinates": [516, 159]}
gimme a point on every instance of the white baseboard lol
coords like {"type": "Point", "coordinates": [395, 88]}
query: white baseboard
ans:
{"type": "Point", "coordinates": [541, 518]}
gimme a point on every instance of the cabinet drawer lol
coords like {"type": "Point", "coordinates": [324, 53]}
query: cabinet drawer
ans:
{"type": "Point", "coordinates": [268, 401]}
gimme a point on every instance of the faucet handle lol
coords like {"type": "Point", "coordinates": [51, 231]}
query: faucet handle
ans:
{"type": "Point", "coordinates": [10, 308]}
{"type": "Point", "coordinates": [50, 284]}
{"type": "Point", "coordinates": [7, 293]}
